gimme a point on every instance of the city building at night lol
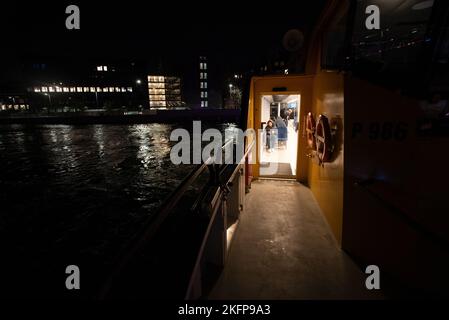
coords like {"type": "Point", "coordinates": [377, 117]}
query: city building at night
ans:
{"type": "Point", "coordinates": [49, 85]}
{"type": "Point", "coordinates": [164, 92]}
{"type": "Point", "coordinates": [13, 103]}
{"type": "Point", "coordinates": [233, 91]}
{"type": "Point", "coordinates": [55, 87]}
{"type": "Point", "coordinates": [203, 82]}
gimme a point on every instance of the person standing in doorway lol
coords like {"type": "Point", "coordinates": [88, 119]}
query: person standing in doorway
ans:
{"type": "Point", "coordinates": [270, 136]}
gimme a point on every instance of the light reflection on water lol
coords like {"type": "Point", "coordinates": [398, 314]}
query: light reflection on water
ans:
{"type": "Point", "coordinates": [79, 192]}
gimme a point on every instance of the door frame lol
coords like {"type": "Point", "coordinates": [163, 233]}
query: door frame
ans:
{"type": "Point", "coordinates": [258, 121]}
{"type": "Point", "coordinates": [297, 84]}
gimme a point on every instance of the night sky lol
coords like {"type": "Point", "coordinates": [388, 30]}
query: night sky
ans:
{"type": "Point", "coordinates": [236, 35]}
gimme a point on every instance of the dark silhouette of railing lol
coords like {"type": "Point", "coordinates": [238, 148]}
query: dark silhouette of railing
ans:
{"type": "Point", "coordinates": [198, 248]}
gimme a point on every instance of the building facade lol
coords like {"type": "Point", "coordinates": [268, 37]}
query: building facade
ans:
{"type": "Point", "coordinates": [204, 100]}
{"type": "Point", "coordinates": [164, 92]}
{"type": "Point", "coordinates": [58, 86]}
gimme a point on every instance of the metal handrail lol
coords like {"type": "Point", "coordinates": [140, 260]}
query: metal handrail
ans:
{"type": "Point", "coordinates": [152, 225]}
{"type": "Point", "coordinates": [214, 210]}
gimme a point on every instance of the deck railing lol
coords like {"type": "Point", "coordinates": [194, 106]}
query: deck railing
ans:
{"type": "Point", "coordinates": [224, 207]}
{"type": "Point", "coordinates": [217, 206]}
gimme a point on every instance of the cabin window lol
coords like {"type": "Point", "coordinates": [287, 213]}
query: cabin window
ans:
{"type": "Point", "coordinates": [407, 54]}
{"type": "Point", "coordinates": [394, 55]}
{"type": "Point", "coordinates": [333, 41]}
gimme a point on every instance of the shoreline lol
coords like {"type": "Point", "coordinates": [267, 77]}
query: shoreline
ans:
{"type": "Point", "coordinates": [162, 116]}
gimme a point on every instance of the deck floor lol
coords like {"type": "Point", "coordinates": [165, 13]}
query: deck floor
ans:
{"type": "Point", "coordinates": [284, 249]}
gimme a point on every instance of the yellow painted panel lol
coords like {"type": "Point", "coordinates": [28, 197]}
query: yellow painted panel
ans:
{"type": "Point", "coordinates": [326, 182]}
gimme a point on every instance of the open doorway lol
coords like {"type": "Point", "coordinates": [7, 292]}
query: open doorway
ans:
{"type": "Point", "coordinates": [279, 138]}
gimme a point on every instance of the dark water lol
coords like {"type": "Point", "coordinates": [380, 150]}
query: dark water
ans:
{"type": "Point", "coordinates": [75, 194]}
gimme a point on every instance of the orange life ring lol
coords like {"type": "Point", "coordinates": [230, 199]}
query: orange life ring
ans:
{"type": "Point", "coordinates": [310, 131]}
{"type": "Point", "coordinates": [323, 139]}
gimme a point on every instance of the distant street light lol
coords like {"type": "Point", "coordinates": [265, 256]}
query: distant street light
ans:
{"type": "Point", "coordinates": [138, 81]}
{"type": "Point", "coordinates": [49, 99]}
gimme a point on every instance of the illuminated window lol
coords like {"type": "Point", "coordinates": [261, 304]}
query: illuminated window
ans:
{"type": "Point", "coordinates": [58, 89]}
{"type": "Point", "coordinates": [117, 89]}
{"type": "Point", "coordinates": [65, 89]}
{"type": "Point", "coordinates": [157, 91]}
{"type": "Point", "coordinates": [44, 89]}
{"type": "Point", "coordinates": [79, 89]}
{"type": "Point", "coordinates": [105, 68]}
{"type": "Point", "coordinates": [111, 89]}
{"type": "Point", "coordinates": [100, 68]}
{"type": "Point", "coordinates": [37, 89]}
{"type": "Point", "coordinates": [157, 85]}
{"type": "Point", "coordinates": [158, 104]}
{"type": "Point", "coordinates": [51, 89]}
{"type": "Point", "coordinates": [205, 104]}
{"type": "Point", "coordinates": [158, 97]}
{"type": "Point", "coordinates": [123, 89]}
{"type": "Point", "coordinates": [92, 89]}
{"type": "Point", "coordinates": [86, 89]}
{"type": "Point", "coordinates": [129, 89]}
{"type": "Point", "coordinates": [72, 89]}
{"type": "Point", "coordinates": [98, 89]}
{"type": "Point", "coordinates": [105, 89]}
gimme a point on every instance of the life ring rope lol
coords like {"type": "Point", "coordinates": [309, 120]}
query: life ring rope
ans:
{"type": "Point", "coordinates": [323, 139]}
{"type": "Point", "coordinates": [310, 126]}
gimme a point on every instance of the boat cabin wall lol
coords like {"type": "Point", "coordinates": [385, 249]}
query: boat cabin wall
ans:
{"type": "Point", "coordinates": [326, 180]}
{"type": "Point", "coordinates": [301, 85]}
{"type": "Point", "coordinates": [395, 207]}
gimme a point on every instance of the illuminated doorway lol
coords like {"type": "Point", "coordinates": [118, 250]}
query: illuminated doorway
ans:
{"type": "Point", "coordinates": [278, 141]}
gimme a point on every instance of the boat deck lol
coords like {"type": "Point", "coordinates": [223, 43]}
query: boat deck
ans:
{"type": "Point", "coordinates": [284, 249]}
